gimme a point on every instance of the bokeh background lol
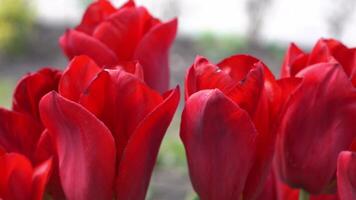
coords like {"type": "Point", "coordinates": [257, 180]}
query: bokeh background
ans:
{"type": "Point", "coordinates": [29, 32]}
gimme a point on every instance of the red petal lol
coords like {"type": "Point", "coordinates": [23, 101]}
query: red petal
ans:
{"type": "Point", "coordinates": [219, 141]}
{"type": "Point", "coordinates": [247, 93]}
{"type": "Point", "coordinates": [18, 133]}
{"type": "Point", "coordinates": [238, 66]}
{"type": "Point", "coordinates": [15, 177]}
{"type": "Point", "coordinates": [294, 61]}
{"type": "Point", "coordinates": [40, 178]}
{"type": "Point", "coordinates": [76, 78]}
{"type": "Point", "coordinates": [85, 148]}
{"type": "Point", "coordinates": [31, 88]}
{"type": "Point", "coordinates": [121, 101]}
{"type": "Point", "coordinates": [121, 32]}
{"type": "Point", "coordinates": [205, 75]}
{"type": "Point", "coordinates": [141, 151]}
{"type": "Point", "coordinates": [133, 67]}
{"type": "Point", "coordinates": [95, 13]}
{"type": "Point", "coordinates": [317, 125]}
{"type": "Point", "coordinates": [76, 43]}
{"type": "Point", "coordinates": [153, 52]}
{"type": "Point", "coordinates": [346, 175]}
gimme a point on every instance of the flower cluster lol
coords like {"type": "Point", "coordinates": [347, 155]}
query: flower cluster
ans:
{"type": "Point", "coordinates": [93, 130]}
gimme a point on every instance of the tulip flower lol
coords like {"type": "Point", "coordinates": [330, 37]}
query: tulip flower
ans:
{"type": "Point", "coordinates": [228, 126]}
{"type": "Point", "coordinates": [21, 127]}
{"type": "Point", "coordinates": [112, 124]}
{"type": "Point", "coordinates": [111, 36]}
{"type": "Point", "coordinates": [19, 180]}
{"type": "Point", "coordinates": [325, 50]}
{"type": "Point", "coordinates": [346, 175]}
{"type": "Point", "coordinates": [318, 119]}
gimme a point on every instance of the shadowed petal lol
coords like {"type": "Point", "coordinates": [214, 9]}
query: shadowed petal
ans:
{"type": "Point", "coordinates": [219, 140]}
{"type": "Point", "coordinates": [85, 148]}
{"type": "Point", "coordinates": [140, 154]}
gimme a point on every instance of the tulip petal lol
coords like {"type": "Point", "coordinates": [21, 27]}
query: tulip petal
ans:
{"type": "Point", "coordinates": [205, 75]}
{"type": "Point", "coordinates": [40, 177]}
{"type": "Point", "coordinates": [129, 103]}
{"type": "Point", "coordinates": [320, 112]}
{"type": "Point", "coordinates": [134, 174]}
{"type": "Point", "coordinates": [219, 140]}
{"type": "Point", "coordinates": [238, 66]}
{"type": "Point", "coordinates": [15, 177]}
{"type": "Point", "coordinates": [31, 88]}
{"type": "Point", "coordinates": [121, 32]}
{"type": "Point", "coordinates": [76, 43]}
{"type": "Point", "coordinates": [294, 61]}
{"type": "Point", "coordinates": [153, 54]}
{"type": "Point", "coordinates": [95, 13]}
{"type": "Point", "coordinates": [76, 78]}
{"type": "Point", "coordinates": [18, 133]}
{"type": "Point", "coordinates": [85, 148]}
{"type": "Point", "coordinates": [346, 175]}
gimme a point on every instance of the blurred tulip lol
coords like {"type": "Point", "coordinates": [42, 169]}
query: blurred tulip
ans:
{"type": "Point", "coordinates": [111, 36]}
{"type": "Point", "coordinates": [318, 120]}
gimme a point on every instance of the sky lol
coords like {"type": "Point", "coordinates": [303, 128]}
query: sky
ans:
{"type": "Point", "coordinates": [300, 21]}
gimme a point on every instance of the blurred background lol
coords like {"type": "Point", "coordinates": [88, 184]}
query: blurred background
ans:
{"type": "Point", "coordinates": [29, 32]}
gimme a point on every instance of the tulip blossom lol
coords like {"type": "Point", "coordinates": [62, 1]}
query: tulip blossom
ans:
{"type": "Point", "coordinates": [101, 127]}
{"type": "Point", "coordinates": [19, 180]}
{"type": "Point", "coordinates": [112, 123]}
{"type": "Point", "coordinates": [21, 127]}
{"type": "Point", "coordinates": [228, 126]}
{"type": "Point", "coordinates": [111, 36]}
{"type": "Point", "coordinates": [318, 119]}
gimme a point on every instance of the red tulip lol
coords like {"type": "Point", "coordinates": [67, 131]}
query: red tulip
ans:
{"type": "Point", "coordinates": [111, 36]}
{"type": "Point", "coordinates": [346, 175]}
{"type": "Point", "coordinates": [21, 128]}
{"type": "Point", "coordinates": [318, 122]}
{"type": "Point", "coordinates": [325, 50]}
{"type": "Point", "coordinates": [228, 126]}
{"type": "Point", "coordinates": [19, 180]}
{"type": "Point", "coordinates": [112, 124]}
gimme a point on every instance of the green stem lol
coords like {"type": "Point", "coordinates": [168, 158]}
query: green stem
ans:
{"type": "Point", "coordinates": [303, 195]}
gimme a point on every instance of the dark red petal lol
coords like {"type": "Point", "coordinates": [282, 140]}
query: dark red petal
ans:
{"type": "Point", "coordinates": [121, 101]}
{"type": "Point", "coordinates": [294, 61]}
{"type": "Point", "coordinates": [219, 140]}
{"type": "Point", "coordinates": [46, 150]}
{"type": "Point", "coordinates": [40, 178]}
{"type": "Point", "coordinates": [247, 93]}
{"type": "Point", "coordinates": [95, 13]}
{"type": "Point", "coordinates": [75, 43]}
{"type": "Point", "coordinates": [346, 175]}
{"type": "Point", "coordinates": [153, 53]}
{"type": "Point", "coordinates": [205, 75]}
{"type": "Point", "coordinates": [141, 151]}
{"type": "Point", "coordinates": [121, 32]}
{"type": "Point", "coordinates": [238, 66]}
{"type": "Point", "coordinates": [85, 148]}
{"type": "Point", "coordinates": [15, 177]}
{"type": "Point", "coordinates": [76, 78]}
{"type": "Point", "coordinates": [31, 88]}
{"type": "Point", "coordinates": [316, 126]}
{"type": "Point", "coordinates": [18, 133]}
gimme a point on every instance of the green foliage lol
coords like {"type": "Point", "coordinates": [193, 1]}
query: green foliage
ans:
{"type": "Point", "coordinates": [16, 21]}
{"type": "Point", "coordinates": [6, 88]}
